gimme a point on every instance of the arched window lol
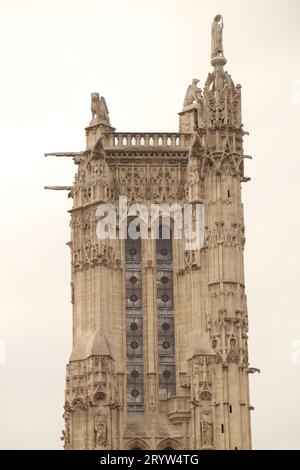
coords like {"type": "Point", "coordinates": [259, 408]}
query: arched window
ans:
{"type": "Point", "coordinates": [137, 444]}
{"type": "Point", "coordinates": [165, 312]}
{"type": "Point", "coordinates": [169, 444]}
{"type": "Point", "coordinates": [134, 320]}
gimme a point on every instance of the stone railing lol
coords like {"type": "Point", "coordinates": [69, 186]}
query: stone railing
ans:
{"type": "Point", "coordinates": [146, 139]}
{"type": "Point", "coordinates": [178, 408]}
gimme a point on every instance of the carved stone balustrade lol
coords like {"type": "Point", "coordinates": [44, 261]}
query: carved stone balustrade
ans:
{"type": "Point", "coordinates": [177, 408]}
{"type": "Point", "coordinates": [146, 139]}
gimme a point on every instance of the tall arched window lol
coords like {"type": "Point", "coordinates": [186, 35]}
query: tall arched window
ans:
{"type": "Point", "coordinates": [134, 319]}
{"type": "Point", "coordinates": [165, 313]}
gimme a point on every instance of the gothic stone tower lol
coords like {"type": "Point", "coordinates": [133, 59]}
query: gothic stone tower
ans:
{"type": "Point", "coordinates": [159, 356]}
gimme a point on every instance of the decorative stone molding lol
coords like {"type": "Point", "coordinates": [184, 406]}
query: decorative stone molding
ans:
{"type": "Point", "coordinates": [228, 235]}
{"type": "Point", "coordinates": [229, 337]}
{"type": "Point", "coordinates": [66, 432]}
{"type": "Point", "coordinates": [147, 140]}
{"type": "Point", "coordinates": [90, 382]}
{"type": "Point", "coordinates": [226, 289]}
{"type": "Point", "coordinates": [139, 183]}
{"type": "Point", "coordinates": [178, 409]}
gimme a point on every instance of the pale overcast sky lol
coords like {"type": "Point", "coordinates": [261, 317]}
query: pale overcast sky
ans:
{"type": "Point", "coordinates": [140, 55]}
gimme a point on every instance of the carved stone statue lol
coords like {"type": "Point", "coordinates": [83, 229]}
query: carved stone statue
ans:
{"type": "Point", "coordinates": [207, 430]}
{"type": "Point", "coordinates": [100, 432]}
{"type": "Point", "coordinates": [193, 93]}
{"type": "Point", "coordinates": [233, 355]}
{"type": "Point", "coordinates": [99, 109]}
{"type": "Point", "coordinates": [217, 37]}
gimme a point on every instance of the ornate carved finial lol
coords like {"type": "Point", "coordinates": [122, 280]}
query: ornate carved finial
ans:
{"type": "Point", "coordinates": [217, 51]}
{"type": "Point", "coordinates": [99, 110]}
{"type": "Point", "coordinates": [66, 432]}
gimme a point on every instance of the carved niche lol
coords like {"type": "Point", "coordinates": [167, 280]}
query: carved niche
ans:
{"type": "Point", "coordinates": [86, 249]}
{"type": "Point", "coordinates": [158, 183]}
{"type": "Point", "coordinates": [229, 337]}
{"type": "Point", "coordinates": [90, 382]}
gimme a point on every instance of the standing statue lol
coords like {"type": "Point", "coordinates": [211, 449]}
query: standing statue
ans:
{"type": "Point", "coordinates": [100, 432]}
{"type": "Point", "coordinates": [217, 37]}
{"type": "Point", "coordinates": [207, 431]}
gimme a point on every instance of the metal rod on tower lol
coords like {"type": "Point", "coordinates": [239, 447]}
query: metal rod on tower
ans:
{"type": "Point", "coordinates": [64, 154]}
{"type": "Point", "coordinates": [59, 188]}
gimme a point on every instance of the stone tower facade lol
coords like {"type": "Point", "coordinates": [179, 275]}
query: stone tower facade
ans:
{"type": "Point", "coordinates": [159, 358]}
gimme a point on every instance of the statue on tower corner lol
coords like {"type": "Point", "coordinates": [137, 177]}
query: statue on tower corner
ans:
{"type": "Point", "coordinates": [99, 110]}
{"type": "Point", "coordinates": [217, 37]}
{"type": "Point", "coordinates": [193, 93]}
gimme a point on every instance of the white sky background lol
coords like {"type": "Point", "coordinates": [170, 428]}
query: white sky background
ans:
{"type": "Point", "coordinates": [141, 55]}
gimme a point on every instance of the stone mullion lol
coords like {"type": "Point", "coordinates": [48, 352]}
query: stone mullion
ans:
{"type": "Point", "coordinates": [119, 318]}
{"type": "Point", "coordinates": [150, 325]}
{"type": "Point", "coordinates": [122, 365]}
{"type": "Point", "coordinates": [178, 292]}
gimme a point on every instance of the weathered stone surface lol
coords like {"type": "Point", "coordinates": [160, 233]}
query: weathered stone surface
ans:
{"type": "Point", "coordinates": [209, 406]}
